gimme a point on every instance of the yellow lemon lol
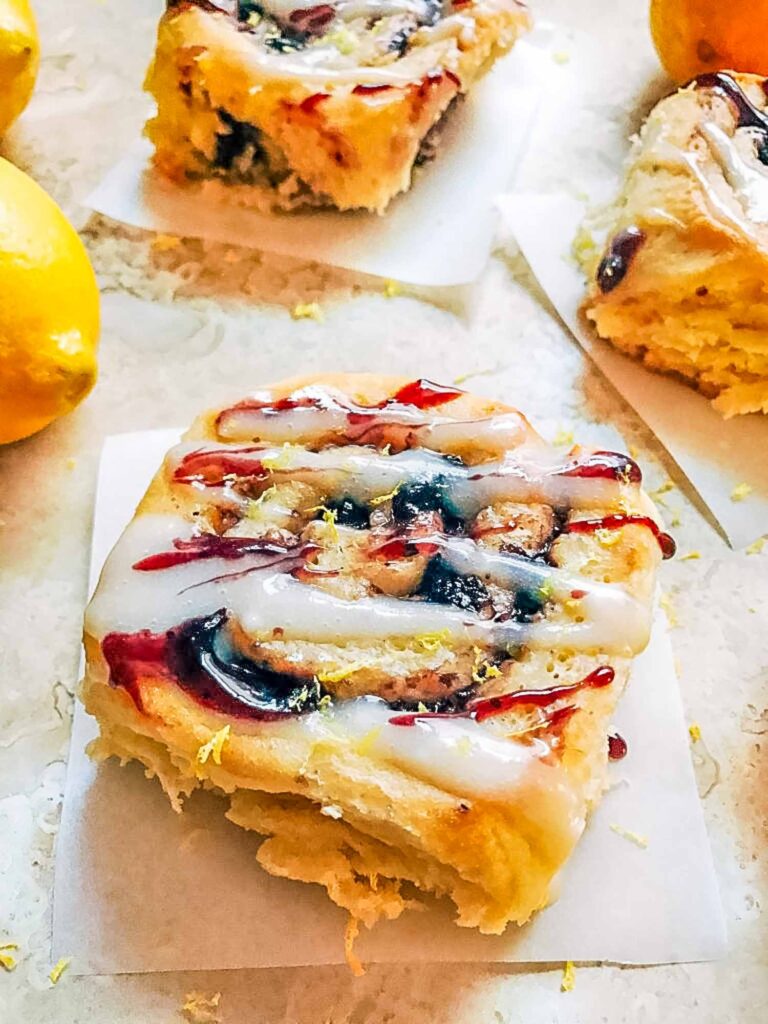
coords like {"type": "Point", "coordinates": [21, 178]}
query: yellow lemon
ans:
{"type": "Point", "coordinates": [19, 58]}
{"type": "Point", "coordinates": [49, 309]}
{"type": "Point", "coordinates": [692, 36]}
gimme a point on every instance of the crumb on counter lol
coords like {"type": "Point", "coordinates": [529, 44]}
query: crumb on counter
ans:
{"type": "Point", "coordinates": [198, 1008]}
{"type": "Point", "coordinates": [740, 492]}
{"type": "Point", "coordinates": [58, 969]}
{"type": "Point", "coordinates": [756, 546]}
{"type": "Point", "coordinates": [669, 610]}
{"type": "Point", "coordinates": [214, 746]}
{"type": "Point", "coordinates": [7, 959]}
{"type": "Point", "coordinates": [657, 494]}
{"type": "Point", "coordinates": [308, 311]}
{"type": "Point", "coordinates": [563, 438]}
{"type": "Point", "coordinates": [569, 977]}
{"type": "Point", "coordinates": [70, 463]}
{"type": "Point", "coordinates": [633, 837]}
{"type": "Point", "coordinates": [694, 731]}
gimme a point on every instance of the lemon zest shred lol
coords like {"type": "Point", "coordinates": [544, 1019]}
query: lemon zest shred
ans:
{"type": "Point", "coordinates": [464, 377]}
{"type": "Point", "coordinates": [483, 670]}
{"type": "Point", "coordinates": [7, 959]}
{"type": "Point", "coordinates": [58, 969]}
{"type": "Point", "coordinates": [199, 1008]}
{"type": "Point", "coordinates": [281, 461]}
{"type": "Point", "coordinates": [307, 311]}
{"type": "Point", "coordinates": [432, 641]}
{"type": "Point", "coordinates": [350, 934]}
{"type": "Point", "coordinates": [583, 247]}
{"type": "Point", "coordinates": [340, 673]}
{"type": "Point", "coordinates": [254, 503]}
{"type": "Point", "coordinates": [561, 57]}
{"type": "Point", "coordinates": [325, 704]}
{"type": "Point", "coordinates": [563, 438]}
{"type": "Point", "coordinates": [690, 556]}
{"type": "Point", "coordinates": [569, 977]}
{"type": "Point", "coordinates": [344, 41]}
{"type": "Point", "coordinates": [675, 520]}
{"type": "Point", "coordinates": [756, 546]}
{"type": "Point", "coordinates": [392, 289]}
{"type": "Point", "coordinates": [633, 837]}
{"type": "Point", "coordinates": [661, 490]}
{"type": "Point", "coordinates": [694, 731]}
{"type": "Point", "coordinates": [213, 747]}
{"type": "Point", "coordinates": [740, 492]}
{"type": "Point", "coordinates": [669, 610]}
{"type": "Point", "coordinates": [386, 497]}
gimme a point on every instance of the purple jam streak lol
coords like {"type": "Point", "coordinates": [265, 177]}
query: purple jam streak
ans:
{"type": "Point", "coordinates": [615, 264]}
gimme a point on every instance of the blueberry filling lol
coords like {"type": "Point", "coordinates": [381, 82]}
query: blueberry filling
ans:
{"type": "Point", "coordinates": [615, 264]}
{"type": "Point", "coordinates": [528, 604]}
{"type": "Point", "coordinates": [349, 513]}
{"type": "Point", "coordinates": [441, 584]}
{"type": "Point", "coordinates": [761, 149]}
{"type": "Point", "coordinates": [206, 664]}
{"type": "Point", "coordinates": [245, 8]}
{"type": "Point", "coordinates": [426, 496]}
{"type": "Point", "coordinates": [233, 143]}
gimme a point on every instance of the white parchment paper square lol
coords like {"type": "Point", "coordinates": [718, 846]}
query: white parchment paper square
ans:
{"type": "Point", "coordinates": [438, 233]}
{"type": "Point", "coordinates": [140, 888]}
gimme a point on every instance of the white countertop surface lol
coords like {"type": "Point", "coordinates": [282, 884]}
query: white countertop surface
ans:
{"type": "Point", "coordinates": [188, 326]}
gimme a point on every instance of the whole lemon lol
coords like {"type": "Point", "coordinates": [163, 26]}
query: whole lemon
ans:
{"type": "Point", "coordinates": [19, 58]}
{"type": "Point", "coordinates": [49, 309]}
{"type": "Point", "coordinates": [692, 36]}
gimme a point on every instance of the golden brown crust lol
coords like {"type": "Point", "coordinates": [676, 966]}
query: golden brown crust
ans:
{"type": "Point", "coordinates": [321, 142]}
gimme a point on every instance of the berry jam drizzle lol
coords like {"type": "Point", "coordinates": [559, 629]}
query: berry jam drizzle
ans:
{"type": "Point", "coordinates": [422, 394]}
{"type": "Point", "coordinates": [615, 264]}
{"type": "Point", "coordinates": [212, 468]}
{"type": "Point", "coordinates": [490, 706]}
{"type": "Point", "coordinates": [619, 519]}
{"type": "Point", "coordinates": [748, 116]}
{"type": "Point", "coordinates": [617, 747]}
{"type": "Point", "coordinates": [605, 466]}
{"type": "Point", "coordinates": [199, 658]}
{"type": "Point", "coordinates": [418, 394]}
{"type": "Point", "coordinates": [210, 545]}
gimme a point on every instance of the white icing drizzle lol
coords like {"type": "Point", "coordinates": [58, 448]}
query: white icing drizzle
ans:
{"type": "Point", "coordinates": [269, 603]}
{"type": "Point", "coordinates": [750, 184]}
{"type": "Point", "coordinates": [531, 474]}
{"type": "Point", "coordinates": [460, 756]}
{"type": "Point", "coordinates": [302, 425]}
